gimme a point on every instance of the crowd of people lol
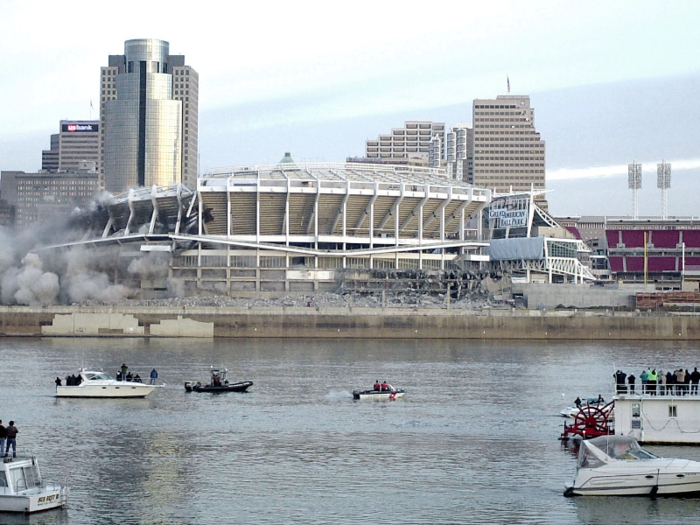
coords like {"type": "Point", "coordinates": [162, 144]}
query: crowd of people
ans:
{"type": "Point", "coordinates": [652, 382]}
{"type": "Point", "coordinates": [8, 439]}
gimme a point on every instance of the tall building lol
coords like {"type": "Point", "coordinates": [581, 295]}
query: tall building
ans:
{"type": "Point", "coordinates": [148, 118]}
{"type": "Point", "coordinates": [507, 153]}
{"type": "Point", "coordinates": [459, 140]}
{"type": "Point", "coordinates": [410, 145]}
{"type": "Point", "coordinates": [77, 142]}
{"type": "Point", "coordinates": [42, 197]}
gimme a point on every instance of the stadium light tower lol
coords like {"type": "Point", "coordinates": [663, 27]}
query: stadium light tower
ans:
{"type": "Point", "coordinates": [663, 182]}
{"type": "Point", "coordinates": [634, 178]}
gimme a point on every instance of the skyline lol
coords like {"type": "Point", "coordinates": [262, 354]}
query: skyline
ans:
{"type": "Point", "coordinates": [318, 83]}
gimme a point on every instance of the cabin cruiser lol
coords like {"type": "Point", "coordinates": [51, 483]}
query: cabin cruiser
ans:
{"type": "Point", "coordinates": [618, 466]}
{"type": "Point", "coordinates": [389, 392]}
{"type": "Point", "coordinates": [91, 383]}
{"type": "Point", "coordinates": [22, 488]}
{"type": "Point", "coordinates": [218, 383]}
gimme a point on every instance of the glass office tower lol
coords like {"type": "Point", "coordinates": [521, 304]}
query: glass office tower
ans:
{"type": "Point", "coordinates": [148, 114]}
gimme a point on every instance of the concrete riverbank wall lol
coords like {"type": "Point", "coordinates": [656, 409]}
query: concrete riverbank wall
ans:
{"type": "Point", "coordinates": [359, 323]}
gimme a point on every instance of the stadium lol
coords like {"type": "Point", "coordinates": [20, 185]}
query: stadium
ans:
{"type": "Point", "coordinates": [292, 227]}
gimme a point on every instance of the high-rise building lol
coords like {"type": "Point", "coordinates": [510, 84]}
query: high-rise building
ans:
{"type": "Point", "coordinates": [459, 140]}
{"type": "Point", "coordinates": [410, 145]}
{"type": "Point", "coordinates": [77, 142]}
{"type": "Point", "coordinates": [507, 153]}
{"type": "Point", "coordinates": [148, 118]}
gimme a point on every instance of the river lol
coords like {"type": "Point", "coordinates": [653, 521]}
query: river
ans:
{"type": "Point", "coordinates": [473, 441]}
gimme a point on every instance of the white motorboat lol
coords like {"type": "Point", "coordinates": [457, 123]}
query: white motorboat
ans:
{"type": "Point", "coordinates": [22, 488]}
{"type": "Point", "coordinates": [91, 383]}
{"type": "Point", "coordinates": [618, 466]}
{"type": "Point", "coordinates": [379, 394]}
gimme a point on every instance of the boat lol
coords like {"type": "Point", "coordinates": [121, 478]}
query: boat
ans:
{"type": "Point", "coordinates": [92, 383]}
{"type": "Point", "coordinates": [390, 394]}
{"type": "Point", "coordinates": [22, 489]}
{"type": "Point", "coordinates": [219, 383]}
{"type": "Point", "coordinates": [619, 466]}
{"type": "Point", "coordinates": [571, 411]}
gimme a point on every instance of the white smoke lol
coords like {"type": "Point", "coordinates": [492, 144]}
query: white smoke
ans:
{"type": "Point", "coordinates": [83, 281]}
{"type": "Point", "coordinates": [30, 285]}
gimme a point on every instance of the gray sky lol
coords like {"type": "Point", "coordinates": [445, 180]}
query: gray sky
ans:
{"type": "Point", "coordinates": [611, 82]}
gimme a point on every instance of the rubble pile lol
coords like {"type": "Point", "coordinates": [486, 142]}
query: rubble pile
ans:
{"type": "Point", "coordinates": [347, 299]}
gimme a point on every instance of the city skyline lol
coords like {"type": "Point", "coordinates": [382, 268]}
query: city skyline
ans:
{"type": "Point", "coordinates": [605, 93]}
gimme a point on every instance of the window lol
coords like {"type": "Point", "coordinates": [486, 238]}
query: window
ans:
{"type": "Point", "coordinates": [672, 411]}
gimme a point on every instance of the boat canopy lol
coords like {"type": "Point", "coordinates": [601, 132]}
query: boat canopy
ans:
{"type": "Point", "coordinates": [606, 449]}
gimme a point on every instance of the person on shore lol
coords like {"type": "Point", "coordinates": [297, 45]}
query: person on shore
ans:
{"type": "Point", "coordinates": [3, 436]}
{"type": "Point", "coordinates": [11, 439]}
{"type": "Point", "coordinates": [377, 385]}
{"type": "Point", "coordinates": [630, 380]}
{"type": "Point", "coordinates": [125, 369]}
{"type": "Point", "coordinates": [154, 376]}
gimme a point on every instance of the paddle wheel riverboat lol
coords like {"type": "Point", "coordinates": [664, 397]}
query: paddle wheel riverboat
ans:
{"type": "Point", "coordinates": [590, 422]}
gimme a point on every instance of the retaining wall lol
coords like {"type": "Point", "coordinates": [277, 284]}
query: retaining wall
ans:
{"type": "Point", "coordinates": [361, 323]}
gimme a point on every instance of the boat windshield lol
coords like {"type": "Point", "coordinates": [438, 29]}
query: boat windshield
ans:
{"type": "Point", "coordinates": [94, 376]}
{"type": "Point", "coordinates": [602, 450]}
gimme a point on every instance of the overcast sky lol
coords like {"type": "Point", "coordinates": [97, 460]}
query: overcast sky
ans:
{"type": "Point", "coordinates": [611, 82]}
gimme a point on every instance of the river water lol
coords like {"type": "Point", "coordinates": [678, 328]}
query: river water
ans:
{"type": "Point", "coordinates": [473, 441]}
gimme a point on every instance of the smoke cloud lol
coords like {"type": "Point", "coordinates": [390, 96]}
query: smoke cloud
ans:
{"type": "Point", "coordinates": [34, 276]}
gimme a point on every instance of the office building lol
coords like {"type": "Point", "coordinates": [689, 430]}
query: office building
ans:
{"type": "Point", "coordinates": [78, 141]}
{"type": "Point", "coordinates": [44, 196]}
{"type": "Point", "coordinates": [459, 140]}
{"type": "Point", "coordinates": [507, 153]}
{"type": "Point", "coordinates": [410, 145]}
{"type": "Point", "coordinates": [148, 118]}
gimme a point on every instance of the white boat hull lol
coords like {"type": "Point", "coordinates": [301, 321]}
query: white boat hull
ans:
{"type": "Point", "coordinates": [662, 477]}
{"type": "Point", "coordinates": [118, 389]}
{"type": "Point", "coordinates": [378, 396]}
{"type": "Point", "coordinates": [35, 500]}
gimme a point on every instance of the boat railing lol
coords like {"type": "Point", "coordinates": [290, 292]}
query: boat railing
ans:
{"type": "Point", "coordinates": [658, 390]}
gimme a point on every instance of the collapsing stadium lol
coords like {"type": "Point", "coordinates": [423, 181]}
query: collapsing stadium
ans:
{"type": "Point", "coordinates": [298, 228]}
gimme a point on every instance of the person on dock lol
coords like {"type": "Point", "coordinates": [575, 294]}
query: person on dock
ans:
{"type": "Point", "coordinates": [11, 439]}
{"type": "Point", "coordinates": [154, 376]}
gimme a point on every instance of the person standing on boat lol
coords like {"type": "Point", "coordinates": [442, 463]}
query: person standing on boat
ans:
{"type": "Point", "coordinates": [11, 439]}
{"type": "Point", "coordinates": [694, 380]}
{"type": "Point", "coordinates": [125, 369]}
{"type": "Point", "coordinates": [154, 376]}
{"type": "Point", "coordinates": [630, 380]}
{"type": "Point", "coordinates": [644, 376]}
{"type": "Point", "coordinates": [3, 436]}
{"type": "Point", "coordinates": [652, 382]}
{"type": "Point", "coordinates": [662, 383]}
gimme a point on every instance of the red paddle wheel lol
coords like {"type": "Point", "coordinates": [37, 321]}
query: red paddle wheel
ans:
{"type": "Point", "coordinates": [591, 421]}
